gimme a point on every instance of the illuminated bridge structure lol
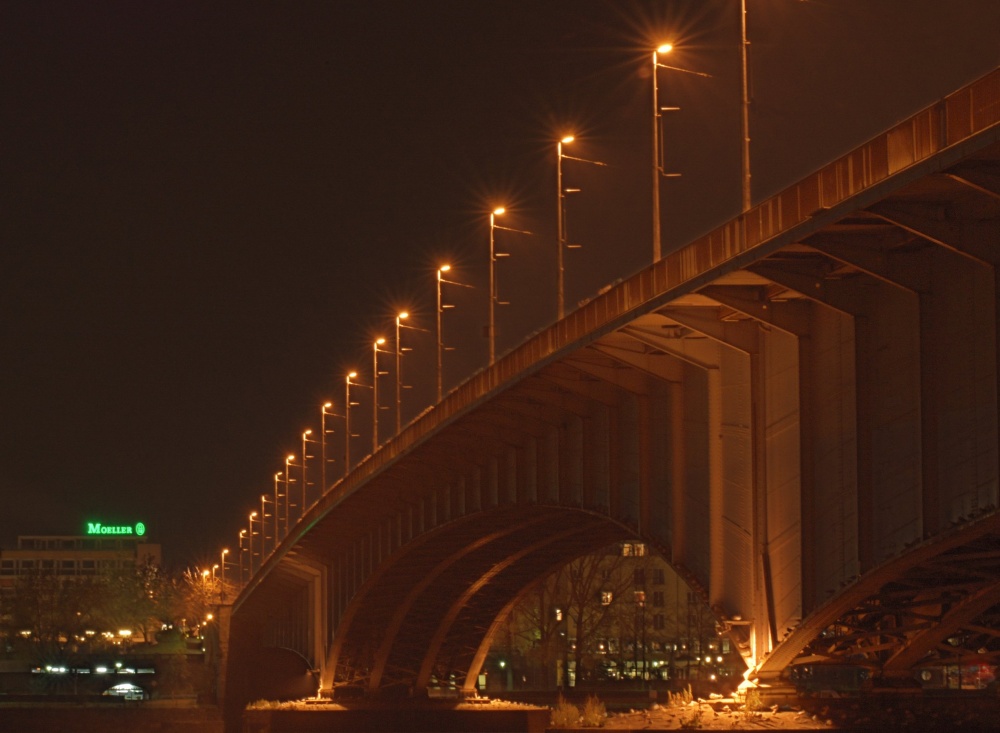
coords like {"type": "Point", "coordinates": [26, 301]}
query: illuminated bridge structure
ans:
{"type": "Point", "coordinates": [799, 410]}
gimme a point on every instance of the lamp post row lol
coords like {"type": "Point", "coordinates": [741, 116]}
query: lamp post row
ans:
{"type": "Point", "coordinates": [562, 243]}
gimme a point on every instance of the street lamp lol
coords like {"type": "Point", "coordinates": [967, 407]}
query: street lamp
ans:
{"type": "Point", "coordinates": [561, 220]}
{"type": "Point", "coordinates": [305, 456]}
{"type": "Point", "coordinates": [253, 516]}
{"type": "Point", "coordinates": [288, 488]}
{"type": "Point", "coordinates": [745, 116]}
{"type": "Point", "coordinates": [493, 280]}
{"type": "Point", "coordinates": [658, 170]}
{"type": "Point", "coordinates": [277, 504]}
{"type": "Point", "coordinates": [375, 375]}
{"type": "Point", "coordinates": [657, 153]}
{"type": "Point", "coordinates": [263, 526]}
{"type": "Point", "coordinates": [222, 583]}
{"type": "Point", "coordinates": [400, 317]}
{"type": "Point", "coordinates": [243, 534]}
{"type": "Point", "coordinates": [347, 419]}
{"type": "Point", "coordinates": [561, 228]}
{"type": "Point", "coordinates": [494, 298]}
{"type": "Point", "coordinates": [440, 309]}
{"type": "Point", "coordinates": [441, 306]}
{"type": "Point", "coordinates": [323, 432]}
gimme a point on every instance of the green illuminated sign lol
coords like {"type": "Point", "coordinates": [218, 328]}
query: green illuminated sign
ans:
{"type": "Point", "coordinates": [138, 529]}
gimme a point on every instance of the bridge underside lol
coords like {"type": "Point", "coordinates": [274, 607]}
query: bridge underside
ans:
{"type": "Point", "coordinates": [799, 410]}
{"type": "Point", "coordinates": [426, 617]}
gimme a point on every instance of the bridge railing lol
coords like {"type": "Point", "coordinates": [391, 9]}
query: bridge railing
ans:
{"type": "Point", "coordinates": [959, 116]}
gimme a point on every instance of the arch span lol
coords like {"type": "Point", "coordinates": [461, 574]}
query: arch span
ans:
{"type": "Point", "coordinates": [429, 613]}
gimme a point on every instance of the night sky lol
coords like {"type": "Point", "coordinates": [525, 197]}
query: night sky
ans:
{"type": "Point", "coordinates": [209, 210]}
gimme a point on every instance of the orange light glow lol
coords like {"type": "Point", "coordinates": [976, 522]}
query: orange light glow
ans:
{"type": "Point", "coordinates": [665, 48]}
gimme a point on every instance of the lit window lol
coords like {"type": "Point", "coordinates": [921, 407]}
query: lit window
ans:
{"type": "Point", "coordinates": [633, 549]}
{"type": "Point", "coordinates": [606, 597]}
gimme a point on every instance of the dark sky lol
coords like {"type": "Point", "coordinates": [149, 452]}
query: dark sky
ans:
{"type": "Point", "coordinates": [209, 210]}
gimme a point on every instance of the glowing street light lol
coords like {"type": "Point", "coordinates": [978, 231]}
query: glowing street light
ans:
{"type": "Point", "coordinates": [323, 432]}
{"type": "Point", "coordinates": [305, 457]}
{"type": "Point", "coordinates": [494, 297]}
{"type": "Point", "coordinates": [400, 317]}
{"type": "Point", "coordinates": [277, 504]}
{"type": "Point", "coordinates": [263, 526]}
{"type": "Point", "coordinates": [243, 534]}
{"type": "Point", "coordinates": [253, 515]}
{"type": "Point", "coordinates": [440, 309]}
{"type": "Point", "coordinates": [288, 481]}
{"type": "Point", "coordinates": [441, 306]}
{"type": "Point", "coordinates": [222, 583]}
{"type": "Point", "coordinates": [375, 375]}
{"type": "Point", "coordinates": [493, 280]}
{"type": "Point", "coordinates": [347, 419]}
{"type": "Point", "coordinates": [561, 220]}
{"type": "Point", "coordinates": [561, 227]}
{"type": "Point", "coordinates": [658, 170]}
{"type": "Point", "coordinates": [657, 153]}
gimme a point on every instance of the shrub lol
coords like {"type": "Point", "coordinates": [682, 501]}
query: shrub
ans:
{"type": "Point", "coordinates": [752, 703]}
{"type": "Point", "coordinates": [594, 712]}
{"type": "Point", "coordinates": [693, 719]}
{"type": "Point", "coordinates": [564, 714]}
{"type": "Point", "coordinates": [680, 699]}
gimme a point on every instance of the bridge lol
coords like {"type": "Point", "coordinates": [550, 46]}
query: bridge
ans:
{"type": "Point", "coordinates": [799, 410]}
